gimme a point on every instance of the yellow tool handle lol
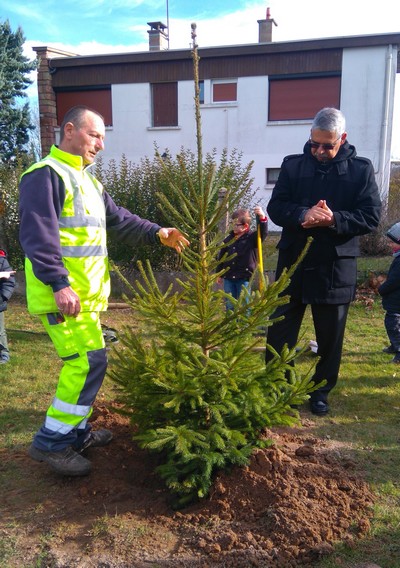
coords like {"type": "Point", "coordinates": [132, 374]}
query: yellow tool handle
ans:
{"type": "Point", "coordinates": [260, 255]}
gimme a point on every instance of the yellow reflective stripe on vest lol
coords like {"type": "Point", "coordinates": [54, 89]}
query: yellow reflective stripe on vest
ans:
{"type": "Point", "coordinates": [79, 218]}
{"type": "Point", "coordinates": [96, 250]}
{"type": "Point", "coordinates": [73, 222]}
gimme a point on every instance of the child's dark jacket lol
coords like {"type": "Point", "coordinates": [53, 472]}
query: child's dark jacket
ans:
{"type": "Point", "coordinates": [244, 263]}
{"type": "Point", "coordinates": [6, 284]}
{"type": "Point", "coordinates": [390, 289]}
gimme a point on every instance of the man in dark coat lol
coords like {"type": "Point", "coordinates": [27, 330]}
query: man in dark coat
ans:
{"type": "Point", "coordinates": [330, 194]}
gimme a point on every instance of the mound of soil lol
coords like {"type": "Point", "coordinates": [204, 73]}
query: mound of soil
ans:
{"type": "Point", "coordinates": [285, 509]}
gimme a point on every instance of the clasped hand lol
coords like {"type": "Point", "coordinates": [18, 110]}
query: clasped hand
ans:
{"type": "Point", "coordinates": [318, 215]}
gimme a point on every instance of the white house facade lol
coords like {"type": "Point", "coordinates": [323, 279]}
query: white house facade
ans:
{"type": "Point", "coordinates": [257, 98]}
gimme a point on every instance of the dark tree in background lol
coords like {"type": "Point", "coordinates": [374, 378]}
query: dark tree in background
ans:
{"type": "Point", "coordinates": [15, 121]}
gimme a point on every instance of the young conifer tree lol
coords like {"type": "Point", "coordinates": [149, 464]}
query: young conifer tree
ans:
{"type": "Point", "coordinates": [193, 379]}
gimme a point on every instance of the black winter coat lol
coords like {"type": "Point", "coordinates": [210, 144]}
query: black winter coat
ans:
{"type": "Point", "coordinates": [6, 284]}
{"type": "Point", "coordinates": [328, 274]}
{"type": "Point", "coordinates": [390, 289]}
{"type": "Point", "coordinates": [244, 249]}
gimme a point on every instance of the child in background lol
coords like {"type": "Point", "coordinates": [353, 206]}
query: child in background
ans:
{"type": "Point", "coordinates": [243, 243]}
{"type": "Point", "coordinates": [390, 292]}
{"type": "Point", "coordinates": [7, 283]}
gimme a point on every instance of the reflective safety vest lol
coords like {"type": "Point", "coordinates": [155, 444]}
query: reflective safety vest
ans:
{"type": "Point", "coordinates": [83, 236]}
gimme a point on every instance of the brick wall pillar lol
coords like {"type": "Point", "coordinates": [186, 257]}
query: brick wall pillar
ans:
{"type": "Point", "coordinates": [46, 95]}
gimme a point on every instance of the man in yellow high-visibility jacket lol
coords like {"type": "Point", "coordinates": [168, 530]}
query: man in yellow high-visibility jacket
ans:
{"type": "Point", "coordinates": [65, 214]}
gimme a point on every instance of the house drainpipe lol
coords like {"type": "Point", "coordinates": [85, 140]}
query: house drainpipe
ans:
{"type": "Point", "coordinates": [386, 129]}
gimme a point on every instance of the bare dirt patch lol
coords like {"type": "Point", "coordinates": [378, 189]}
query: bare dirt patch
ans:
{"type": "Point", "coordinates": [285, 509]}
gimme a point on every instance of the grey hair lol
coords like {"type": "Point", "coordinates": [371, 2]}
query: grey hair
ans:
{"type": "Point", "coordinates": [330, 120]}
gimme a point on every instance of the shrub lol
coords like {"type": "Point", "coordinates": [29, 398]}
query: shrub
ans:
{"type": "Point", "coordinates": [137, 187]}
{"type": "Point", "coordinates": [9, 216]}
{"type": "Point", "coordinates": [375, 243]}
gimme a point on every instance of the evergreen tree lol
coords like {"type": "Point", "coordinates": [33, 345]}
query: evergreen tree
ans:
{"type": "Point", "coordinates": [15, 122]}
{"type": "Point", "coordinates": [193, 379]}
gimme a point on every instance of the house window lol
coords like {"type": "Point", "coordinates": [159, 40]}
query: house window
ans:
{"type": "Point", "coordinates": [301, 98]}
{"type": "Point", "coordinates": [201, 92]}
{"type": "Point", "coordinates": [271, 175]}
{"type": "Point", "coordinates": [224, 91]}
{"type": "Point", "coordinates": [164, 104]}
{"type": "Point", "coordinates": [98, 99]}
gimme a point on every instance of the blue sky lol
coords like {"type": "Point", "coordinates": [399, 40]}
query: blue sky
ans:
{"type": "Point", "coordinates": [99, 26]}
{"type": "Point", "coordinates": [106, 26]}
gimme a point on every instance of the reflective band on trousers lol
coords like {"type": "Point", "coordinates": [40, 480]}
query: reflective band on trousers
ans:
{"type": "Point", "coordinates": [57, 426]}
{"type": "Point", "coordinates": [77, 409]}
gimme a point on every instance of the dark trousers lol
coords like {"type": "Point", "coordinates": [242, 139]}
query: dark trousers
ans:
{"type": "Point", "coordinates": [329, 324]}
{"type": "Point", "coordinates": [392, 326]}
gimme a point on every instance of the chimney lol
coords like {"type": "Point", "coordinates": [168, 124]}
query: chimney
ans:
{"type": "Point", "coordinates": [265, 28]}
{"type": "Point", "coordinates": [158, 38]}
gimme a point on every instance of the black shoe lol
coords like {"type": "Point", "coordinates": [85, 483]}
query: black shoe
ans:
{"type": "Point", "coordinates": [96, 439]}
{"type": "Point", "coordinates": [389, 349]}
{"type": "Point", "coordinates": [109, 334]}
{"type": "Point", "coordinates": [396, 358]}
{"type": "Point", "coordinates": [319, 407]}
{"type": "Point", "coordinates": [65, 462]}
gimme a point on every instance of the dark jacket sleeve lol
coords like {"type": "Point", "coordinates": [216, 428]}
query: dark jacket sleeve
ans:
{"type": "Point", "coordinates": [263, 229]}
{"type": "Point", "coordinates": [128, 227]}
{"type": "Point", "coordinates": [284, 209]}
{"type": "Point", "coordinates": [364, 216]}
{"type": "Point", "coordinates": [42, 196]}
{"type": "Point", "coordinates": [392, 281]}
{"type": "Point", "coordinates": [7, 285]}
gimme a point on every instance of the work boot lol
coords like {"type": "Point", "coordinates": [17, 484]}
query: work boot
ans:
{"type": "Point", "coordinates": [96, 439]}
{"type": "Point", "coordinates": [64, 462]}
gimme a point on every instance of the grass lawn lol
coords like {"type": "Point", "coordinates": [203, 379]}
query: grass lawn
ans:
{"type": "Point", "coordinates": [365, 417]}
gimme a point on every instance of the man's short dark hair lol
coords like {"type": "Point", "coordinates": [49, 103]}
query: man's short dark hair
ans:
{"type": "Point", "coordinates": [76, 115]}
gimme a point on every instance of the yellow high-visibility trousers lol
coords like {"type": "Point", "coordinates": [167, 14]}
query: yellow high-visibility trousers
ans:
{"type": "Point", "coordinates": [79, 342]}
